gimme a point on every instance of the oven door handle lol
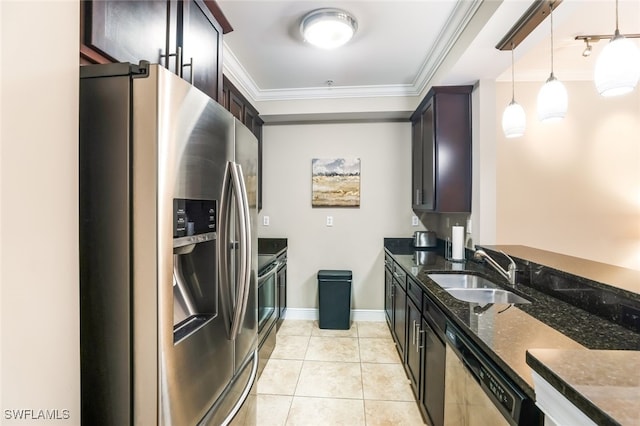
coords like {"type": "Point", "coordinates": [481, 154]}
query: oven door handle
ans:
{"type": "Point", "coordinates": [272, 270]}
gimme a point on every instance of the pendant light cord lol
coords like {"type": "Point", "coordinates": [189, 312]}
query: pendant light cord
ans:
{"type": "Point", "coordinates": [513, 78]}
{"type": "Point", "coordinates": [551, 16]}
{"type": "Point", "coordinates": [617, 30]}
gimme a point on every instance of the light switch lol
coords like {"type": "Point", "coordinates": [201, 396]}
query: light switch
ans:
{"type": "Point", "coordinates": [414, 220]}
{"type": "Point", "coordinates": [329, 220]}
{"type": "Point", "coordinates": [265, 220]}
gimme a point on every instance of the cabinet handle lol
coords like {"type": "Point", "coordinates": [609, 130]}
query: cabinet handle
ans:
{"type": "Point", "coordinates": [413, 332]}
{"type": "Point", "coordinates": [422, 340]}
{"type": "Point", "coordinates": [418, 196]}
{"type": "Point", "coordinates": [192, 69]}
{"type": "Point", "coordinates": [177, 55]}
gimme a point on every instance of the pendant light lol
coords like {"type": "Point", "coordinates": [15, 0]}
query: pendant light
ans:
{"type": "Point", "coordinates": [514, 120]}
{"type": "Point", "coordinates": [618, 66]}
{"type": "Point", "coordinates": [552, 98]}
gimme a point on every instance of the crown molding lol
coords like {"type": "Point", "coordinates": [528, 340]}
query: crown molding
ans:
{"type": "Point", "coordinates": [455, 25]}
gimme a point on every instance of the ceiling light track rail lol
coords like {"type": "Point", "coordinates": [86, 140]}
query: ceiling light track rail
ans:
{"type": "Point", "coordinates": [528, 22]}
{"type": "Point", "coordinates": [591, 37]}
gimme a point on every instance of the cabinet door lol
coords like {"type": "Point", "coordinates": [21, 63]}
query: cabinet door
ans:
{"type": "Point", "coordinates": [416, 161]}
{"type": "Point", "coordinates": [428, 159]}
{"type": "Point", "coordinates": [236, 106]}
{"type": "Point", "coordinates": [453, 134]}
{"type": "Point", "coordinates": [433, 375]}
{"type": "Point", "coordinates": [128, 31]}
{"type": "Point", "coordinates": [388, 296]}
{"type": "Point", "coordinates": [414, 326]}
{"type": "Point", "coordinates": [201, 42]}
{"type": "Point", "coordinates": [282, 291]}
{"type": "Point", "coordinates": [399, 317]}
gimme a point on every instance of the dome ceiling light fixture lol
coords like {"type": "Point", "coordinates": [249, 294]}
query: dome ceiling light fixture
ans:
{"type": "Point", "coordinates": [328, 28]}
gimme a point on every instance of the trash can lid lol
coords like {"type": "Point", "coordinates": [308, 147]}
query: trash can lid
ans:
{"type": "Point", "coordinates": [334, 274]}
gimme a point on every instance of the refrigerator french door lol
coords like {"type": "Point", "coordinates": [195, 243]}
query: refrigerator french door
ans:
{"type": "Point", "coordinates": [167, 251]}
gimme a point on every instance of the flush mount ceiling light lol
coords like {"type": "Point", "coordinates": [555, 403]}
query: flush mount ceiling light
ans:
{"type": "Point", "coordinates": [552, 98]}
{"type": "Point", "coordinates": [618, 66]}
{"type": "Point", "coordinates": [328, 28]}
{"type": "Point", "coordinates": [514, 120]}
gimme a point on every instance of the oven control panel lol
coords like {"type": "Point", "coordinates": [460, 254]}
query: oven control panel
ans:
{"type": "Point", "coordinates": [193, 217]}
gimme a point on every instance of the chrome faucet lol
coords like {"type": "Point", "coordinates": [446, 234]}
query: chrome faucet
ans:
{"type": "Point", "coordinates": [509, 274]}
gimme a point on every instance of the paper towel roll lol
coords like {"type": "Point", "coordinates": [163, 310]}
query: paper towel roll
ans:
{"type": "Point", "coordinates": [457, 242]}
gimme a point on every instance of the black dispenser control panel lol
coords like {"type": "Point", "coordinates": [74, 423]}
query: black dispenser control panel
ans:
{"type": "Point", "coordinates": [193, 217]}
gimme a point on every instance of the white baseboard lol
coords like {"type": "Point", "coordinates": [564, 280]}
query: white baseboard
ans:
{"type": "Point", "coordinates": [356, 314]}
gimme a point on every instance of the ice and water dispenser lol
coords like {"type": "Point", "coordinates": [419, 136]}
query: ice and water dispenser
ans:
{"type": "Point", "coordinates": [194, 265]}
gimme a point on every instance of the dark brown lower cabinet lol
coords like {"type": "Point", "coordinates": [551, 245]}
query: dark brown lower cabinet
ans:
{"type": "Point", "coordinates": [432, 377]}
{"type": "Point", "coordinates": [399, 316]}
{"type": "Point", "coordinates": [414, 345]}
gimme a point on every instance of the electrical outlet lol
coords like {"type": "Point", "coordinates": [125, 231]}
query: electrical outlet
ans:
{"type": "Point", "coordinates": [329, 220]}
{"type": "Point", "coordinates": [265, 220]}
{"type": "Point", "coordinates": [414, 221]}
{"type": "Point", "coordinates": [469, 231]}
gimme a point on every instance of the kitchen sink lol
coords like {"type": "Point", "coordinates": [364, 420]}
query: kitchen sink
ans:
{"type": "Point", "coordinates": [447, 281]}
{"type": "Point", "coordinates": [475, 289]}
{"type": "Point", "coordinates": [485, 295]}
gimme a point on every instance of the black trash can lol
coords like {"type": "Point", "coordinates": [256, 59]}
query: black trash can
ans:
{"type": "Point", "coordinates": [334, 296]}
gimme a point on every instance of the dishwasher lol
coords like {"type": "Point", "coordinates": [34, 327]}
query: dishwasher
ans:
{"type": "Point", "coordinates": [477, 392]}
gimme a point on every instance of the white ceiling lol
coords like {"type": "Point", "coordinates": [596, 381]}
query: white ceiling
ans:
{"type": "Point", "coordinates": [400, 45]}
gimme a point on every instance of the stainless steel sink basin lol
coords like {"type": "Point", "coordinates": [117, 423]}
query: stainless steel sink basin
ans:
{"type": "Point", "coordinates": [485, 295]}
{"type": "Point", "coordinates": [462, 281]}
{"type": "Point", "coordinates": [475, 289]}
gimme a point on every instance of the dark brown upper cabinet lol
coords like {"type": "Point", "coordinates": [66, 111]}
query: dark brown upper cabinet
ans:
{"type": "Point", "coordinates": [441, 151]}
{"type": "Point", "coordinates": [183, 36]}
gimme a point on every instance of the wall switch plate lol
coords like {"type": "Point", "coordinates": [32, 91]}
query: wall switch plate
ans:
{"type": "Point", "coordinates": [265, 220]}
{"type": "Point", "coordinates": [329, 220]}
{"type": "Point", "coordinates": [414, 220]}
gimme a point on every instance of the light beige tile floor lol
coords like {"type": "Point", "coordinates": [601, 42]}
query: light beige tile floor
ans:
{"type": "Point", "coordinates": [335, 377]}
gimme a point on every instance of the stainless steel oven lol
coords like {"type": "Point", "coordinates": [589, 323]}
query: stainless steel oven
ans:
{"type": "Point", "coordinates": [267, 309]}
{"type": "Point", "coordinates": [267, 313]}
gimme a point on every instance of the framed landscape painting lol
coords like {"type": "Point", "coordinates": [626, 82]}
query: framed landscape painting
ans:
{"type": "Point", "coordinates": [335, 182]}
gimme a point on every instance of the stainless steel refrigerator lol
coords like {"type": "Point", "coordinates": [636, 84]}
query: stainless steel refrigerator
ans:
{"type": "Point", "coordinates": [168, 207]}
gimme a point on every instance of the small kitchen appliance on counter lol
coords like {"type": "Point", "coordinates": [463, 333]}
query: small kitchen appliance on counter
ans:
{"type": "Point", "coordinates": [424, 239]}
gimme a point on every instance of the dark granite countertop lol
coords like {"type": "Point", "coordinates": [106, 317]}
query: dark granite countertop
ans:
{"type": "Point", "coordinates": [506, 332]}
{"type": "Point", "coordinates": [604, 384]}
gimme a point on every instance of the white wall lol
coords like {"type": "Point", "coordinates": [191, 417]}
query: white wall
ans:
{"type": "Point", "coordinates": [39, 318]}
{"type": "Point", "coordinates": [356, 240]}
{"type": "Point", "coordinates": [572, 187]}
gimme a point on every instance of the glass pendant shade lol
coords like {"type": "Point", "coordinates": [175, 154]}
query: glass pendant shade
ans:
{"type": "Point", "coordinates": [618, 67]}
{"type": "Point", "coordinates": [514, 120]}
{"type": "Point", "coordinates": [553, 101]}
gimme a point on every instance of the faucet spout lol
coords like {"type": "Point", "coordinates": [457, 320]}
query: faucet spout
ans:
{"type": "Point", "coordinates": [509, 274]}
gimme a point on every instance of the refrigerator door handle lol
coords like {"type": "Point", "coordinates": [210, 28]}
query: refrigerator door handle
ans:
{"type": "Point", "coordinates": [237, 185]}
{"type": "Point", "coordinates": [224, 246]}
{"type": "Point", "coordinates": [247, 245]}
